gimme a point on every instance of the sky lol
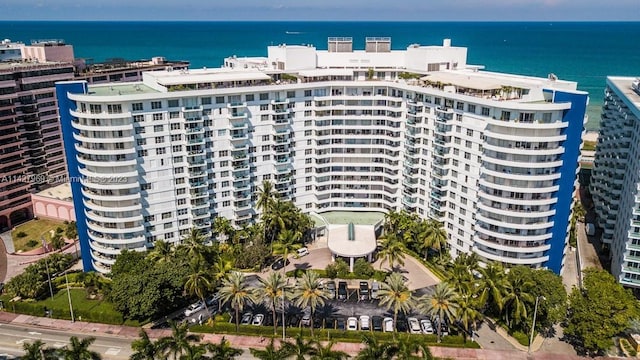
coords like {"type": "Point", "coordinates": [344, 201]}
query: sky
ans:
{"type": "Point", "coordinates": [323, 10]}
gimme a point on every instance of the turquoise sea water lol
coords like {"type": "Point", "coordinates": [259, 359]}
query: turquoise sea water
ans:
{"type": "Point", "coordinates": [577, 51]}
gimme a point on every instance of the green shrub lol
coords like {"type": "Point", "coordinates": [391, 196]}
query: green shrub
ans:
{"type": "Point", "coordinates": [522, 338]}
{"type": "Point", "coordinates": [59, 230]}
{"type": "Point", "coordinates": [21, 234]}
{"type": "Point", "coordinates": [363, 268]}
{"type": "Point", "coordinates": [32, 243]}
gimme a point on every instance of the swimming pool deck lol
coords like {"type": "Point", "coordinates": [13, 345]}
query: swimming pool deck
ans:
{"type": "Point", "coordinates": [346, 217]}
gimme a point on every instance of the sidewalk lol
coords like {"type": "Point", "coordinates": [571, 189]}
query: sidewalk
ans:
{"type": "Point", "coordinates": [131, 333]}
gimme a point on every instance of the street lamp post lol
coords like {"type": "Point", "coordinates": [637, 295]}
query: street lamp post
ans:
{"type": "Point", "coordinates": [66, 278]}
{"type": "Point", "coordinates": [284, 335]}
{"type": "Point", "coordinates": [533, 326]}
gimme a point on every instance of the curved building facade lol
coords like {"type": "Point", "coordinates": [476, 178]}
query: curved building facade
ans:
{"type": "Point", "coordinates": [493, 156]}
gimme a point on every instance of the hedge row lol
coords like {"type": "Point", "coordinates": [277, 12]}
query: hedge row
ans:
{"type": "Point", "coordinates": [338, 335]}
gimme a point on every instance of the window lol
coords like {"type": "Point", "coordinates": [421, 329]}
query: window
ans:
{"type": "Point", "coordinates": [469, 132]}
{"type": "Point", "coordinates": [142, 153]}
{"type": "Point", "coordinates": [142, 142]}
{"type": "Point", "coordinates": [179, 181]}
{"type": "Point", "coordinates": [156, 105]}
{"type": "Point", "coordinates": [206, 101]}
{"type": "Point", "coordinates": [159, 139]}
{"type": "Point", "coordinates": [95, 108]}
{"type": "Point", "coordinates": [176, 148]}
{"type": "Point", "coordinates": [264, 96]}
{"type": "Point", "coordinates": [157, 117]}
{"type": "Point", "coordinates": [291, 94]}
{"type": "Point", "coordinates": [149, 218]}
{"type": "Point", "coordinates": [264, 107]}
{"type": "Point", "coordinates": [460, 105]}
{"type": "Point", "coordinates": [173, 103]}
{"type": "Point", "coordinates": [266, 157]}
{"type": "Point", "coordinates": [137, 107]}
{"type": "Point", "coordinates": [158, 128]}
{"type": "Point", "coordinates": [265, 137]}
{"type": "Point", "coordinates": [471, 109]}
{"type": "Point", "coordinates": [485, 111]}
{"type": "Point", "coordinates": [175, 126]}
{"type": "Point", "coordinates": [249, 97]}
{"type": "Point", "coordinates": [174, 115]}
{"type": "Point", "coordinates": [266, 147]}
{"type": "Point", "coordinates": [161, 151]}
{"type": "Point", "coordinates": [144, 187]}
{"type": "Point", "coordinates": [219, 99]}
{"type": "Point", "coordinates": [138, 118]}
{"type": "Point", "coordinates": [166, 215]}
{"type": "Point", "coordinates": [307, 93]}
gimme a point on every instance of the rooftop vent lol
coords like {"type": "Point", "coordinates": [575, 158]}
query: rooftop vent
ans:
{"type": "Point", "coordinates": [340, 44]}
{"type": "Point", "coordinates": [378, 44]}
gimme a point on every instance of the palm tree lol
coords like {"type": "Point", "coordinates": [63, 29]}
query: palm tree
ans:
{"type": "Point", "coordinates": [222, 226]}
{"type": "Point", "coordinates": [198, 281]}
{"type": "Point", "coordinates": [309, 292]}
{"type": "Point", "coordinates": [193, 244]}
{"type": "Point", "coordinates": [392, 251]}
{"type": "Point", "coordinates": [374, 350]}
{"type": "Point", "coordinates": [223, 350]}
{"type": "Point", "coordinates": [195, 352]}
{"type": "Point", "coordinates": [179, 341]}
{"type": "Point", "coordinates": [272, 288]}
{"type": "Point", "coordinates": [162, 252]}
{"type": "Point", "coordinates": [491, 284]}
{"type": "Point", "coordinates": [288, 242]}
{"type": "Point", "coordinates": [395, 295]}
{"type": "Point", "coordinates": [79, 349]}
{"type": "Point", "coordinates": [515, 296]}
{"type": "Point", "coordinates": [436, 236]}
{"type": "Point", "coordinates": [235, 290]}
{"type": "Point", "coordinates": [270, 352]}
{"type": "Point", "coordinates": [578, 211]}
{"type": "Point", "coordinates": [326, 352]}
{"type": "Point", "coordinates": [221, 268]}
{"type": "Point", "coordinates": [440, 303]}
{"type": "Point", "coordinates": [406, 348]}
{"type": "Point", "coordinates": [144, 347]}
{"type": "Point", "coordinates": [37, 351]}
{"type": "Point", "coordinates": [467, 314]}
{"type": "Point", "coordinates": [300, 348]}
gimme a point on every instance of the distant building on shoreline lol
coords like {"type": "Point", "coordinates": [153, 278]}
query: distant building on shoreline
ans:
{"type": "Point", "coordinates": [615, 180]}
{"type": "Point", "coordinates": [31, 152]}
{"type": "Point", "coordinates": [493, 156]}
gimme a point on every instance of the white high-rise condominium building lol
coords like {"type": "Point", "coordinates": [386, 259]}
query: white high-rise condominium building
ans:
{"type": "Point", "coordinates": [615, 180]}
{"type": "Point", "coordinates": [493, 156]}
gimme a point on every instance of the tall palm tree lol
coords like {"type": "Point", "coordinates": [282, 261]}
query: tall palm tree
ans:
{"type": "Point", "coordinates": [467, 315]}
{"type": "Point", "coordinates": [236, 291]}
{"type": "Point", "coordinates": [198, 282]}
{"type": "Point", "coordinates": [440, 303]}
{"type": "Point", "coordinates": [38, 351]}
{"type": "Point", "coordinates": [270, 352]}
{"type": "Point", "coordinates": [179, 341]}
{"type": "Point", "coordinates": [392, 251]}
{"type": "Point", "coordinates": [195, 352]}
{"type": "Point", "coordinates": [394, 294]}
{"type": "Point", "coordinates": [78, 349]}
{"type": "Point", "coordinates": [516, 295]}
{"type": "Point", "coordinates": [309, 292]}
{"type": "Point", "coordinates": [288, 242]}
{"type": "Point", "coordinates": [221, 268]}
{"type": "Point", "coordinates": [436, 236]}
{"type": "Point", "coordinates": [326, 352]}
{"type": "Point", "coordinates": [223, 350]}
{"type": "Point", "coordinates": [272, 288]}
{"type": "Point", "coordinates": [374, 350]}
{"type": "Point", "coordinates": [491, 284]}
{"type": "Point", "coordinates": [406, 348]}
{"type": "Point", "coordinates": [193, 244]}
{"type": "Point", "coordinates": [145, 348]}
{"type": "Point", "coordinates": [300, 348]}
{"type": "Point", "coordinates": [222, 226]}
{"type": "Point", "coordinates": [162, 252]}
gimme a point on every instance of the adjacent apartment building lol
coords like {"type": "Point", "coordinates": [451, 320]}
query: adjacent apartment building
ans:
{"type": "Point", "coordinates": [615, 180]}
{"type": "Point", "coordinates": [493, 156]}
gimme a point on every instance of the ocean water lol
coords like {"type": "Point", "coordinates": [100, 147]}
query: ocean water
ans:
{"type": "Point", "coordinates": [585, 52]}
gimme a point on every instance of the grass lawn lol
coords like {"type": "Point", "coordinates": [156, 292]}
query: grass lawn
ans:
{"type": "Point", "coordinates": [34, 230]}
{"type": "Point", "coordinates": [88, 310]}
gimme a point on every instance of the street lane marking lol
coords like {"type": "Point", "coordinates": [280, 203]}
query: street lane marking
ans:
{"type": "Point", "coordinates": [112, 351]}
{"type": "Point", "coordinates": [34, 333]}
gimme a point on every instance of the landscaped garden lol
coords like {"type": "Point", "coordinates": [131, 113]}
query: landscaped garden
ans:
{"type": "Point", "coordinates": [28, 236]}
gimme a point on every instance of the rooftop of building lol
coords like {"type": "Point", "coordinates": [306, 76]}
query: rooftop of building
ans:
{"type": "Point", "coordinates": [59, 192]}
{"type": "Point", "coordinates": [626, 86]}
{"type": "Point", "coordinates": [28, 65]}
{"type": "Point", "coordinates": [352, 240]}
{"type": "Point", "coordinates": [86, 67]}
{"type": "Point", "coordinates": [120, 89]}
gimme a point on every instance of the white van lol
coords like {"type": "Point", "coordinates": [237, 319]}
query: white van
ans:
{"type": "Point", "coordinates": [303, 252]}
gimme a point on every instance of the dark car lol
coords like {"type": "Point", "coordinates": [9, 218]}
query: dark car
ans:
{"type": "Point", "coordinates": [341, 324]}
{"type": "Point", "coordinates": [279, 264]}
{"type": "Point", "coordinates": [376, 323]}
{"type": "Point", "coordinates": [364, 290]}
{"type": "Point", "coordinates": [331, 288]}
{"type": "Point", "coordinates": [342, 290]}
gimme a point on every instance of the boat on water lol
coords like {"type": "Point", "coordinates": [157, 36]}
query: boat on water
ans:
{"type": "Point", "coordinates": [635, 85]}
{"type": "Point", "coordinates": [293, 32]}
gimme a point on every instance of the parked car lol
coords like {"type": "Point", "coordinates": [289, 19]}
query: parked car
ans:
{"type": "Point", "coordinates": [376, 323]}
{"type": "Point", "coordinates": [279, 264]}
{"type": "Point", "coordinates": [306, 318]}
{"type": "Point", "coordinates": [342, 290]}
{"type": "Point", "coordinates": [352, 323]}
{"type": "Point", "coordinates": [427, 327]}
{"type": "Point", "coordinates": [364, 291]}
{"type": "Point", "coordinates": [414, 326]}
{"type": "Point", "coordinates": [387, 324]}
{"type": "Point", "coordinates": [374, 289]}
{"type": "Point", "coordinates": [258, 319]}
{"type": "Point", "coordinates": [246, 319]}
{"type": "Point", "coordinates": [194, 308]}
{"type": "Point", "coordinates": [365, 323]}
{"type": "Point", "coordinates": [212, 300]}
{"type": "Point", "coordinates": [340, 324]}
{"type": "Point", "coordinates": [331, 289]}
{"type": "Point", "coordinates": [303, 251]}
